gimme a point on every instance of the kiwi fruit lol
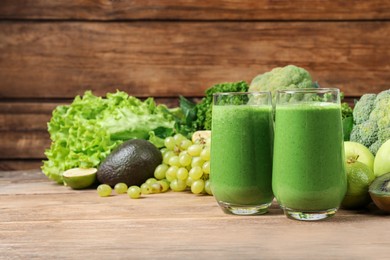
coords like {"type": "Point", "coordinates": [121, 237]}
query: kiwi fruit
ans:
{"type": "Point", "coordinates": [133, 162]}
{"type": "Point", "coordinates": [380, 192]}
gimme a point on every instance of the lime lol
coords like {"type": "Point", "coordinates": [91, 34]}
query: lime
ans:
{"type": "Point", "coordinates": [359, 178]}
{"type": "Point", "coordinates": [79, 178]}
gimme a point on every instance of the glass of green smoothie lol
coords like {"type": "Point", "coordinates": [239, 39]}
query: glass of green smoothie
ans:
{"type": "Point", "coordinates": [241, 152]}
{"type": "Point", "coordinates": [309, 180]}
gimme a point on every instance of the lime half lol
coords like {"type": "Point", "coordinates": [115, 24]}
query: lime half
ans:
{"type": "Point", "coordinates": [79, 178]}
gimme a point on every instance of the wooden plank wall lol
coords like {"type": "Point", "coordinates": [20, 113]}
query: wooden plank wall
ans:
{"type": "Point", "coordinates": [51, 51]}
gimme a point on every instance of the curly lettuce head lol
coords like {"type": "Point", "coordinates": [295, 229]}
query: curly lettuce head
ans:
{"type": "Point", "coordinates": [86, 131]}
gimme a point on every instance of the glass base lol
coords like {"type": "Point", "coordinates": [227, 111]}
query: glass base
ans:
{"type": "Point", "coordinates": [244, 209]}
{"type": "Point", "coordinates": [308, 215]}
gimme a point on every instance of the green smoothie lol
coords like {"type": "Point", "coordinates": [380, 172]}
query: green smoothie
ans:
{"type": "Point", "coordinates": [308, 167]}
{"type": "Point", "coordinates": [241, 154]}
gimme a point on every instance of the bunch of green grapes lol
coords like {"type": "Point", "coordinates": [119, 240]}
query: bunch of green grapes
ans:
{"type": "Point", "coordinates": [185, 166]}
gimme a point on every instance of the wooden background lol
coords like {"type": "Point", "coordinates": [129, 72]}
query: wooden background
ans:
{"type": "Point", "coordinates": [52, 50]}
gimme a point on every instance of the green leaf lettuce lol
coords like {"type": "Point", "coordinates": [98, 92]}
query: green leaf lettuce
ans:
{"type": "Point", "coordinates": [86, 131]}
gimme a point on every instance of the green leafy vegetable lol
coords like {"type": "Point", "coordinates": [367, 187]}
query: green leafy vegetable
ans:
{"type": "Point", "coordinates": [185, 115]}
{"type": "Point", "coordinates": [86, 131]}
{"type": "Point", "coordinates": [204, 107]}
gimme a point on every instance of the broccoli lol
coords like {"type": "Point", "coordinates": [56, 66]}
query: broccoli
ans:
{"type": "Point", "coordinates": [372, 120]}
{"type": "Point", "coordinates": [279, 78]}
{"type": "Point", "coordinates": [366, 132]}
{"type": "Point", "coordinates": [363, 108]}
{"type": "Point", "coordinates": [203, 108]}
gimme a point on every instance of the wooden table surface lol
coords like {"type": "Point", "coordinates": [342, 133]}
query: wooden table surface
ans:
{"type": "Point", "coordinates": [42, 220]}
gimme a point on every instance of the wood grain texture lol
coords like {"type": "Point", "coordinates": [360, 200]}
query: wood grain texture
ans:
{"type": "Point", "coordinates": [196, 9]}
{"type": "Point", "coordinates": [60, 60]}
{"type": "Point", "coordinates": [42, 220]}
{"type": "Point", "coordinates": [15, 165]}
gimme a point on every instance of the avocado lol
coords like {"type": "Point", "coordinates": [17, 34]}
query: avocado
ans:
{"type": "Point", "coordinates": [132, 162]}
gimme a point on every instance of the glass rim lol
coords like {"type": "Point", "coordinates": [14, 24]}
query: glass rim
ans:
{"type": "Point", "coordinates": [241, 93]}
{"type": "Point", "coordinates": [308, 90]}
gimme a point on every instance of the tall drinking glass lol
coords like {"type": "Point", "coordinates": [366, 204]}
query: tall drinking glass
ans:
{"type": "Point", "coordinates": [309, 180]}
{"type": "Point", "coordinates": [241, 152]}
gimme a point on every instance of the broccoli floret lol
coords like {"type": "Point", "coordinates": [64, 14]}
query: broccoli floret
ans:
{"type": "Point", "coordinates": [379, 112]}
{"type": "Point", "coordinates": [365, 133]}
{"type": "Point", "coordinates": [363, 108]}
{"type": "Point", "coordinates": [375, 147]}
{"type": "Point", "coordinates": [204, 107]}
{"type": "Point", "coordinates": [372, 120]}
{"type": "Point", "coordinates": [287, 77]}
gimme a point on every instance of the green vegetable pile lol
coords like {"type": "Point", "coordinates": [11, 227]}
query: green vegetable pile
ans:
{"type": "Point", "coordinates": [86, 131]}
{"type": "Point", "coordinates": [372, 120]}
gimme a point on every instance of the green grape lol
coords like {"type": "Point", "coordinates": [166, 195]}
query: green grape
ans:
{"type": "Point", "coordinates": [169, 143]}
{"type": "Point", "coordinates": [194, 150]}
{"type": "Point", "coordinates": [145, 188]}
{"type": "Point", "coordinates": [207, 187]}
{"type": "Point", "coordinates": [206, 167]}
{"type": "Point", "coordinates": [174, 161]}
{"type": "Point", "coordinates": [185, 159]}
{"type": "Point", "coordinates": [150, 181]}
{"type": "Point", "coordinates": [205, 154]}
{"type": "Point", "coordinates": [178, 185]}
{"type": "Point", "coordinates": [195, 173]}
{"type": "Point", "coordinates": [134, 192]}
{"type": "Point", "coordinates": [197, 161]}
{"type": "Point", "coordinates": [178, 139]}
{"type": "Point", "coordinates": [171, 173]}
{"type": "Point", "coordinates": [168, 156]}
{"type": "Point", "coordinates": [182, 185]}
{"type": "Point", "coordinates": [104, 190]}
{"type": "Point", "coordinates": [182, 173]}
{"type": "Point", "coordinates": [159, 172]}
{"type": "Point", "coordinates": [163, 151]}
{"type": "Point", "coordinates": [185, 144]}
{"type": "Point", "coordinates": [197, 186]}
{"type": "Point", "coordinates": [120, 188]}
{"type": "Point", "coordinates": [173, 185]}
{"type": "Point", "coordinates": [156, 187]}
{"type": "Point", "coordinates": [164, 185]}
{"type": "Point", "coordinates": [189, 181]}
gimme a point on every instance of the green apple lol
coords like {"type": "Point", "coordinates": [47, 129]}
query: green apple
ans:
{"type": "Point", "coordinates": [382, 159]}
{"type": "Point", "coordinates": [357, 152]}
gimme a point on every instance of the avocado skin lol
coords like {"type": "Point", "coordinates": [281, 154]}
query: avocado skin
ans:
{"type": "Point", "coordinates": [132, 162]}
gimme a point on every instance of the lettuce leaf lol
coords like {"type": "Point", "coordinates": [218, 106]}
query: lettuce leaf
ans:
{"type": "Point", "coordinates": [86, 131]}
